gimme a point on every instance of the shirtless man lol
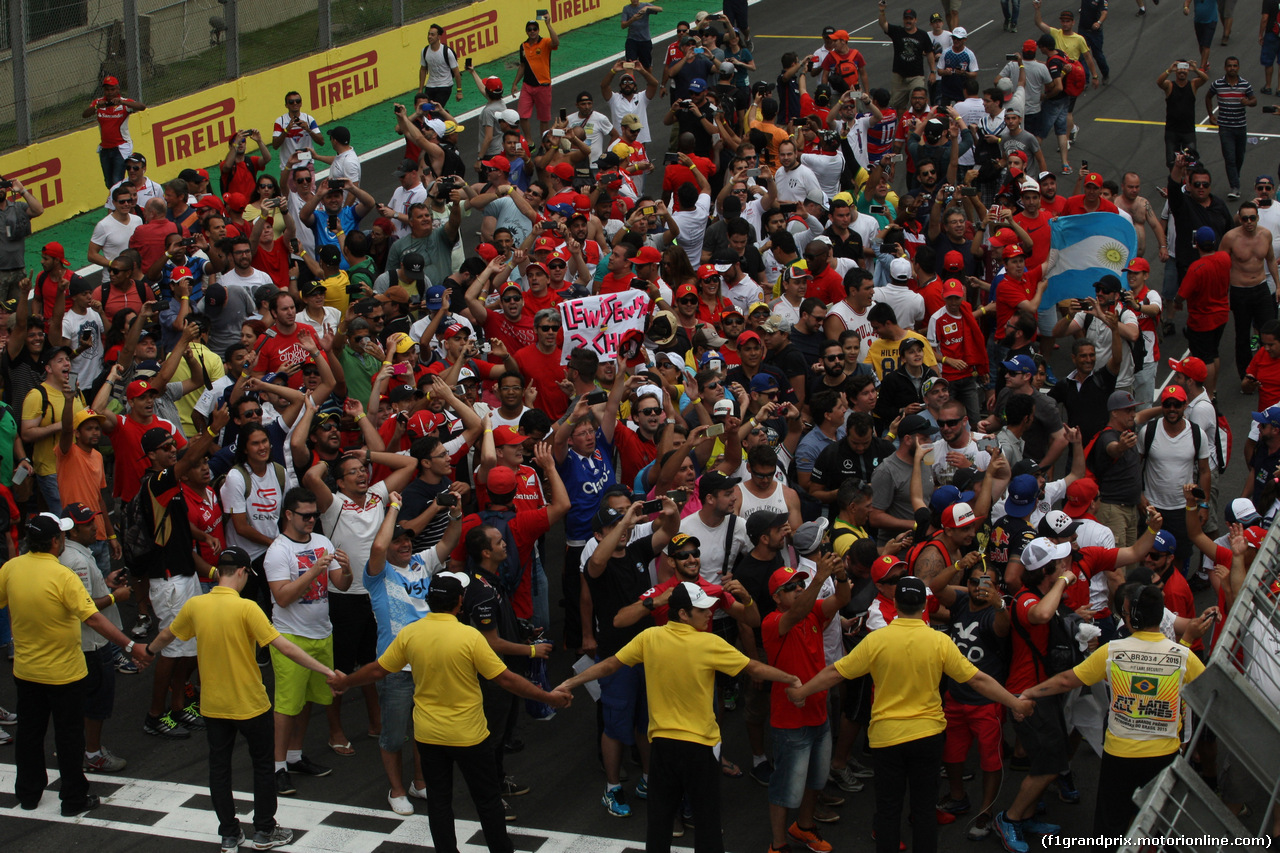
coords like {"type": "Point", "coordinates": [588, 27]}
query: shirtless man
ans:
{"type": "Point", "coordinates": [1252, 257]}
{"type": "Point", "coordinates": [1139, 209]}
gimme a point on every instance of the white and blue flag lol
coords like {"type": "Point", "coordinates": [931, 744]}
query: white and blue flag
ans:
{"type": "Point", "coordinates": [1084, 248]}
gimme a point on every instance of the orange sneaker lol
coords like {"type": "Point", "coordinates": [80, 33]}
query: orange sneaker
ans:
{"type": "Point", "coordinates": [809, 838]}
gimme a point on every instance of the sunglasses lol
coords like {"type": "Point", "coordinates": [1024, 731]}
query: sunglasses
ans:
{"type": "Point", "coordinates": [1261, 187]}
{"type": "Point", "coordinates": [1200, 184]}
{"type": "Point", "coordinates": [689, 301]}
{"type": "Point", "coordinates": [791, 586]}
{"type": "Point", "coordinates": [1248, 218]}
{"type": "Point", "coordinates": [761, 475]}
{"type": "Point", "coordinates": [512, 298]}
{"type": "Point", "coordinates": [124, 202]}
{"type": "Point", "coordinates": [1173, 404]}
{"type": "Point", "coordinates": [772, 395]}
{"type": "Point", "coordinates": [557, 265]}
{"type": "Point", "coordinates": [951, 422]}
{"type": "Point", "coordinates": [833, 358]}
{"type": "Point", "coordinates": [293, 100]}
{"type": "Point", "coordinates": [714, 278]}
{"type": "Point", "coordinates": [735, 321]}
{"type": "Point", "coordinates": [135, 168]}
{"type": "Point", "coordinates": [756, 431]}
{"type": "Point", "coordinates": [548, 328]}
{"type": "Point", "coordinates": [327, 425]}
{"type": "Point", "coordinates": [302, 180]}
{"type": "Point", "coordinates": [684, 555]}
{"type": "Point", "coordinates": [266, 186]}
{"type": "Point", "coordinates": [307, 516]}
{"type": "Point", "coordinates": [251, 413]}
{"type": "Point", "coordinates": [652, 410]}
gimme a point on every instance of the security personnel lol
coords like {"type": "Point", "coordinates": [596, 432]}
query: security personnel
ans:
{"type": "Point", "coordinates": [906, 660]}
{"type": "Point", "coordinates": [1146, 672]}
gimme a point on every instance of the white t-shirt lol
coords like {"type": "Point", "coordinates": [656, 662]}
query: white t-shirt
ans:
{"type": "Point", "coordinates": [908, 306]}
{"type": "Point", "coordinates": [262, 506]}
{"type": "Point", "coordinates": [401, 200]}
{"type": "Point", "coordinates": [693, 228]}
{"type": "Point", "coordinates": [255, 277]}
{"type": "Point", "coordinates": [113, 236]}
{"type": "Point", "coordinates": [296, 139]}
{"type": "Point", "coordinates": [440, 64]}
{"type": "Point", "coordinates": [496, 416]}
{"type": "Point", "coordinates": [306, 237]}
{"type": "Point", "coordinates": [1054, 493]}
{"type": "Point", "coordinates": [827, 169]}
{"type": "Point", "coordinates": [88, 364]}
{"type": "Point", "coordinates": [597, 127]}
{"type": "Point", "coordinates": [1171, 463]}
{"type": "Point", "coordinates": [639, 104]}
{"type": "Point", "coordinates": [346, 165]}
{"type": "Point", "coordinates": [332, 317]}
{"type": "Point", "coordinates": [149, 190]}
{"type": "Point", "coordinates": [1269, 218]}
{"type": "Point", "coordinates": [711, 544]}
{"type": "Point", "coordinates": [943, 470]}
{"type": "Point", "coordinates": [287, 560]}
{"type": "Point", "coordinates": [743, 293]}
{"type": "Point", "coordinates": [1093, 534]}
{"type": "Point", "coordinates": [854, 321]}
{"type": "Point", "coordinates": [794, 184]}
{"type": "Point", "coordinates": [352, 527]}
{"type": "Point", "coordinates": [786, 310]}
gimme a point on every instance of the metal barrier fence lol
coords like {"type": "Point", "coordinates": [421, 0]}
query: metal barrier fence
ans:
{"type": "Point", "coordinates": [55, 53]}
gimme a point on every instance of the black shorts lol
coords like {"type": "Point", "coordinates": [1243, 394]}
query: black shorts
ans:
{"type": "Point", "coordinates": [441, 94]}
{"type": "Point", "coordinates": [1044, 737]}
{"type": "Point", "coordinates": [1204, 345]}
{"type": "Point", "coordinates": [639, 51]}
{"type": "Point", "coordinates": [856, 706]}
{"type": "Point", "coordinates": [736, 12]}
{"type": "Point", "coordinates": [99, 684]}
{"type": "Point", "coordinates": [355, 631]}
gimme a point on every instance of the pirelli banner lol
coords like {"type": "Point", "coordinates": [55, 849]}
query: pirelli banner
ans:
{"type": "Point", "coordinates": [192, 132]}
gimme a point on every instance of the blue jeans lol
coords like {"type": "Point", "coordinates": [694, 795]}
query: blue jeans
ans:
{"type": "Point", "coordinates": [1233, 140]}
{"type": "Point", "coordinates": [1053, 117]}
{"type": "Point", "coordinates": [801, 760]}
{"type": "Point", "coordinates": [1094, 40]}
{"type": "Point", "coordinates": [1011, 9]}
{"type": "Point", "coordinates": [541, 595]}
{"type": "Point", "coordinates": [47, 485]}
{"type": "Point", "coordinates": [395, 695]}
{"type": "Point", "coordinates": [112, 166]}
{"type": "Point", "coordinates": [102, 556]}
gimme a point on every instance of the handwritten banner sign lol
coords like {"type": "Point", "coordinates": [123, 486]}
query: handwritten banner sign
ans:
{"type": "Point", "coordinates": [599, 322]}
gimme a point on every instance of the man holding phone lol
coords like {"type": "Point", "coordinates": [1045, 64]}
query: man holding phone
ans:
{"type": "Point", "coordinates": [534, 77]}
{"type": "Point", "coordinates": [294, 131]}
{"type": "Point", "coordinates": [635, 20]}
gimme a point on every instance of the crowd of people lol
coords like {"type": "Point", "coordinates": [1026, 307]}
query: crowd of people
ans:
{"type": "Point", "coordinates": [314, 437]}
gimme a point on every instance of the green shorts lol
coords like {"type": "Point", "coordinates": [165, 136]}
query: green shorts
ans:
{"type": "Point", "coordinates": [295, 684]}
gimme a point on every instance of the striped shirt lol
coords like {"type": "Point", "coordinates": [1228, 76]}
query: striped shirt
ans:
{"type": "Point", "coordinates": [1231, 98]}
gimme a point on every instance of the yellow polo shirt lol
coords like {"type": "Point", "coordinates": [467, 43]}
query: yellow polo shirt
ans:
{"type": "Point", "coordinates": [42, 455]}
{"type": "Point", "coordinates": [681, 663]}
{"type": "Point", "coordinates": [47, 602]}
{"type": "Point", "coordinates": [906, 660]}
{"type": "Point", "coordinates": [1073, 45]}
{"type": "Point", "coordinates": [446, 656]}
{"type": "Point", "coordinates": [230, 629]}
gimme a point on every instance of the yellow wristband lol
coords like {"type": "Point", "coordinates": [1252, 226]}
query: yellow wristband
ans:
{"type": "Point", "coordinates": [112, 536]}
{"type": "Point", "coordinates": [533, 651]}
{"type": "Point", "coordinates": [488, 430]}
{"type": "Point", "coordinates": [386, 364]}
{"type": "Point", "coordinates": [890, 436]}
{"type": "Point", "coordinates": [112, 596]}
{"type": "Point", "coordinates": [395, 505]}
{"type": "Point", "coordinates": [749, 602]}
{"type": "Point", "coordinates": [184, 298]}
{"type": "Point", "coordinates": [1153, 532]}
{"type": "Point", "coordinates": [359, 416]}
{"type": "Point", "coordinates": [212, 434]}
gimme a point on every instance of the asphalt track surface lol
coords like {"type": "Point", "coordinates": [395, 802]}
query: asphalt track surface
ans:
{"type": "Point", "coordinates": [161, 802]}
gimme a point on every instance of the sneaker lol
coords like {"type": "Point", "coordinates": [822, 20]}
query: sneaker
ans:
{"type": "Point", "coordinates": [831, 801]}
{"type": "Point", "coordinates": [809, 838]}
{"type": "Point", "coordinates": [762, 772]}
{"type": "Point", "coordinates": [951, 806]}
{"type": "Point", "coordinates": [284, 784]}
{"type": "Point", "coordinates": [1067, 788]}
{"type": "Point", "coordinates": [232, 843]}
{"type": "Point", "coordinates": [7, 718]}
{"type": "Point", "coordinates": [1141, 11]}
{"type": "Point", "coordinates": [980, 828]}
{"type": "Point", "coordinates": [307, 767]}
{"type": "Point", "coordinates": [141, 628]}
{"type": "Point", "coordinates": [642, 789]}
{"type": "Point", "coordinates": [417, 793]}
{"type": "Point", "coordinates": [1071, 137]}
{"type": "Point", "coordinates": [1013, 28]}
{"type": "Point", "coordinates": [860, 770]}
{"type": "Point", "coordinates": [106, 762]}
{"type": "Point", "coordinates": [943, 818]}
{"type": "Point", "coordinates": [1040, 827]}
{"type": "Point", "coordinates": [277, 837]}
{"type": "Point", "coordinates": [508, 813]}
{"type": "Point", "coordinates": [5, 738]}
{"type": "Point", "coordinates": [190, 717]}
{"type": "Point", "coordinates": [686, 811]}
{"type": "Point", "coordinates": [400, 805]}
{"type": "Point", "coordinates": [846, 779]}
{"type": "Point", "coordinates": [1233, 194]}
{"type": "Point", "coordinates": [512, 788]}
{"type": "Point", "coordinates": [125, 666]}
{"type": "Point", "coordinates": [825, 815]}
{"type": "Point", "coordinates": [1266, 90]}
{"type": "Point", "coordinates": [90, 801]}
{"type": "Point", "coordinates": [1066, 168]}
{"type": "Point", "coordinates": [1010, 834]}
{"type": "Point", "coordinates": [677, 828]}
{"type": "Point", "coordinates": [615, 803]}
{"type": "Point", "coordinates": [166, 727]}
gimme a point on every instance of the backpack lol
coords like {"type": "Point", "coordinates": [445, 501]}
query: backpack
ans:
{"type": "Point", "coordinates": [138, 537]}
{"type": "Point", "coordinates": [1138, 348]}
{"type": "Point", "coordinates": [1061, 650]}
{"type": "Point", "coordinates": [1149, 437]}
{"type": "Point", "coordinates": [510, 572]}
{"type": "Point", "coordinates": [1073, 76]}
{"type": "Point", "coordinates": [1222, 440]}
{"type": "Point", "coordinates": [845, 73]}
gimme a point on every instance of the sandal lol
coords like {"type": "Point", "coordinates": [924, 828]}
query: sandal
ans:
{"type": "Point", "coordinates": [730, 769]}
{"type": "Point", "coordinates": [342, 748]}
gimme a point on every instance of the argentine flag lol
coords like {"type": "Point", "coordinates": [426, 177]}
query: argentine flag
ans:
{"type": "Point", "coordinates": [1084, 248]}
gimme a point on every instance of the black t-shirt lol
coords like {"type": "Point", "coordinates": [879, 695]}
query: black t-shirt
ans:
{"type": "Point", "coordinates": [622, 582]}
{"type": "Point", "coordinates": [943, 244]}
{"type": "Point", "coordinates": [809, 346]}
{"type": "Point", "coordinates": [975, 635]}
{"type": "Point", "coordinates": [1119, 480]}
{"type": "Point", "coordinates": [911, 51]}
{"type": "Point", "coordinates": [1087, 405]}
{"type": "Point", "coordinates": [1057, 65]}
{"type": "Point", "coordinates": [414, 500]}
{"type": "Point", "coordinates": [837, 462]}
{"type": "Point", "coordinates": [166, 512]}
{"type": "Point", "coordinates": [790, 361]}
{"type": "Point", "coordinates": [485, 608]}
{"type": "Point", "coordinates": [21, 374]}
{"type": "Point", "coordinates": [690, 123]}
{"type": "Point", "coordinates": [846, 247]}
{"type": "Point", "coordinates": [754, 574]}
{"type": "Point", "coordinates": [785, 394]}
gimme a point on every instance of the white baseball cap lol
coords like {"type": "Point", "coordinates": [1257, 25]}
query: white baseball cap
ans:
{"type": "Point", "coordinates": [1040, 552]}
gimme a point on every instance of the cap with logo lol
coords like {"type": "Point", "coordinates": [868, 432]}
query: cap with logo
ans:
{"type": "Point", "coordinates": [883, 566]}
{"type": "Point", "coordinates": [958, 516]}
{"type": "Point", "coordinates": [1020, 364]}
{"type": "Point", "coordinates": [1173, 392]}
{"type": "Point", "coordinates": [681, 541]}
{"type": "Point", "coordinates": [808, 537]}
{"type": "Point", "coordinates": [1093, 179]}
{"type": "Point", "coordinates": [1138, 265]}
{"type": "Point", "coordinates": [1120, 400]}
{"type": "Point", "coordinates": [1057, 525]}
{"type": "Point", "coordinates": [687, 596]}
{"type": "Point", "coordinates": [1268, 417]}
{"type": "Point", "coordinates": [1190, 367]}
{"type": "Point", "coordinates": [1024, 490]}
{"type": "Point", "coordinates": [785, 575]}
{"type": "Point", "coordinates": [715, 482]}
{"type": "Point", "coordinates": [1040, 552]}
{"type": "Point", "coordinates": [1166, 542]}
{"type": "Point", "coordinates": [1242, 511]}
{"type": "Point", "coordinates": [1080, 496]}
{"type": "Point", "coordinates": [911, 592]}
{"type": "Point", "coordinates": [453, 583]}
{"type": "Point", "coordinates": [1205, 235]}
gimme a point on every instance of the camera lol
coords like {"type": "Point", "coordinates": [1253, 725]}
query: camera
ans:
{"type": "Point", "coordinates": [6, 184]}
{"type": "Point", "coordinates": [447, 499]}
{"type": "Point", "coordinates": [337, 183]}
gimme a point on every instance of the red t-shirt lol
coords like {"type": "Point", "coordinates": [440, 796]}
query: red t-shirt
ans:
{"type": "Point", "coordinates": [149, 238]}
{"type": "Point", "coordinates": [1037, 229]}
{"type": "Point", "coordinates": [274, 262]}
{"type": "Point", "coordinates": [111, 120]}
{"type": "Point", "coordinates": [932, 293]}
{"type": "Point", "coordinates": [707, 315]}
{"type": "Point", "coordinates": [828, 286]}
{"type": "Point", "coordinates": [1024, 672]}
{"type": "Point", "coordinates": [284, 350]}
{"type": "Point", "coordinates": [543, 372]}
{"type": "Point", "coordinates": [47, 287]}
{"type": "Point", "coordinates": [1206, 289]}
{"type": "Point", "coordinates": [131, 462]}
{"type": "Point", "coordinates": [634, 451]}
{"type": "Point", "coordinates": [1056, 205]}
{"type": "Point", "coordinates": [534, 303]}
{"type": "Point", "coordinates": [528, 491]}
{"type": "Point", "coordinates": [615, 284]}
{"type": "Point", "coordinates": [204, 512]}
{"type": "Point", "coordinates": [1266, 370]}
{"type": "Point", "coordinates": [526, 527]}
{"type": "Point", "coordinates": [240, 178]}
{"type": "Point", "coordinates": [1075, 205]}
{"type": "Point", "coordinates": [516, 335]}
{"type": "Point", "coordinates": [723, 599]}
{"type": "Point", "coordinates": [1010, 293]}
{"type": "Point", "coordinates": [1092, 560]}
{"type": "Point", "coordinates": [799, 652]}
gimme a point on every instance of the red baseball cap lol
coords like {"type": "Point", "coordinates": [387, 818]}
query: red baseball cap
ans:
{"type": "Point", "coordinates": [1138, 265]}
{"type": "Point", "coordinates": [211, 201]}
{"type": "Point", "coordinates": [582, 203]}
{"type": "Point", "coordinates": [487, 251]}
{"type": "Point", "coordinates": [502, 480]}
{"type": "Point", "coordinates": [1254, 536]}
{"type": "Point", "coordinates": [544, 244]}
{"type": "Point", "coordinates": [452, 330]}
{"type": "Point", "coordinates": [55, 251]}
{"type": "Point", "coordinates": [137, 388]}
{"type": "Point", "coordinates": [1029, 46]}
{"type": "Point", "coordinates": [953, 287]}
{"type": "Point", "coordinates": [562, 170]}
{"type": "Point", "coordinates": [1190, 367]}
{"type": "Point", "coordinates": [1093, 178]}
{"type": "Point", "coordinates": [647, 255]}
{"type": "Point", "coordinates": [784, 576]}
{"type": "Point", "coordinates": [1080, 496]}
{"type": "Point", "coordinates": [493, 84]}
{"type": "Point", "coordinates": [424, 422]}
{"type": "Point", "coordinates": [953, 261]}
{"type": "Point", "coordinates": [501, 163]}
{"type": "Point", "coordinates": [707, 270]}
{"type": "Point", "coordinates": [504, 435]}
{"type": "Point", "coordinates": [883, 565]}
{"type": "Point", "coordinates": [1004, 237]}
{"type": "Point", "coordinates": [235, 201]}
{"type": "Point", "coordinates": [1173, 392]}
{"type": "Point", "coordinates": [179, 273]}
{"type": "Point", "coordinates": [958, 515]}
{"type": "Point", "coordinates": [748, 336]}
{"type": "Point", "coordinates": [1013, 250]}
{"type": "Point", "coordinates": [687, 289]}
